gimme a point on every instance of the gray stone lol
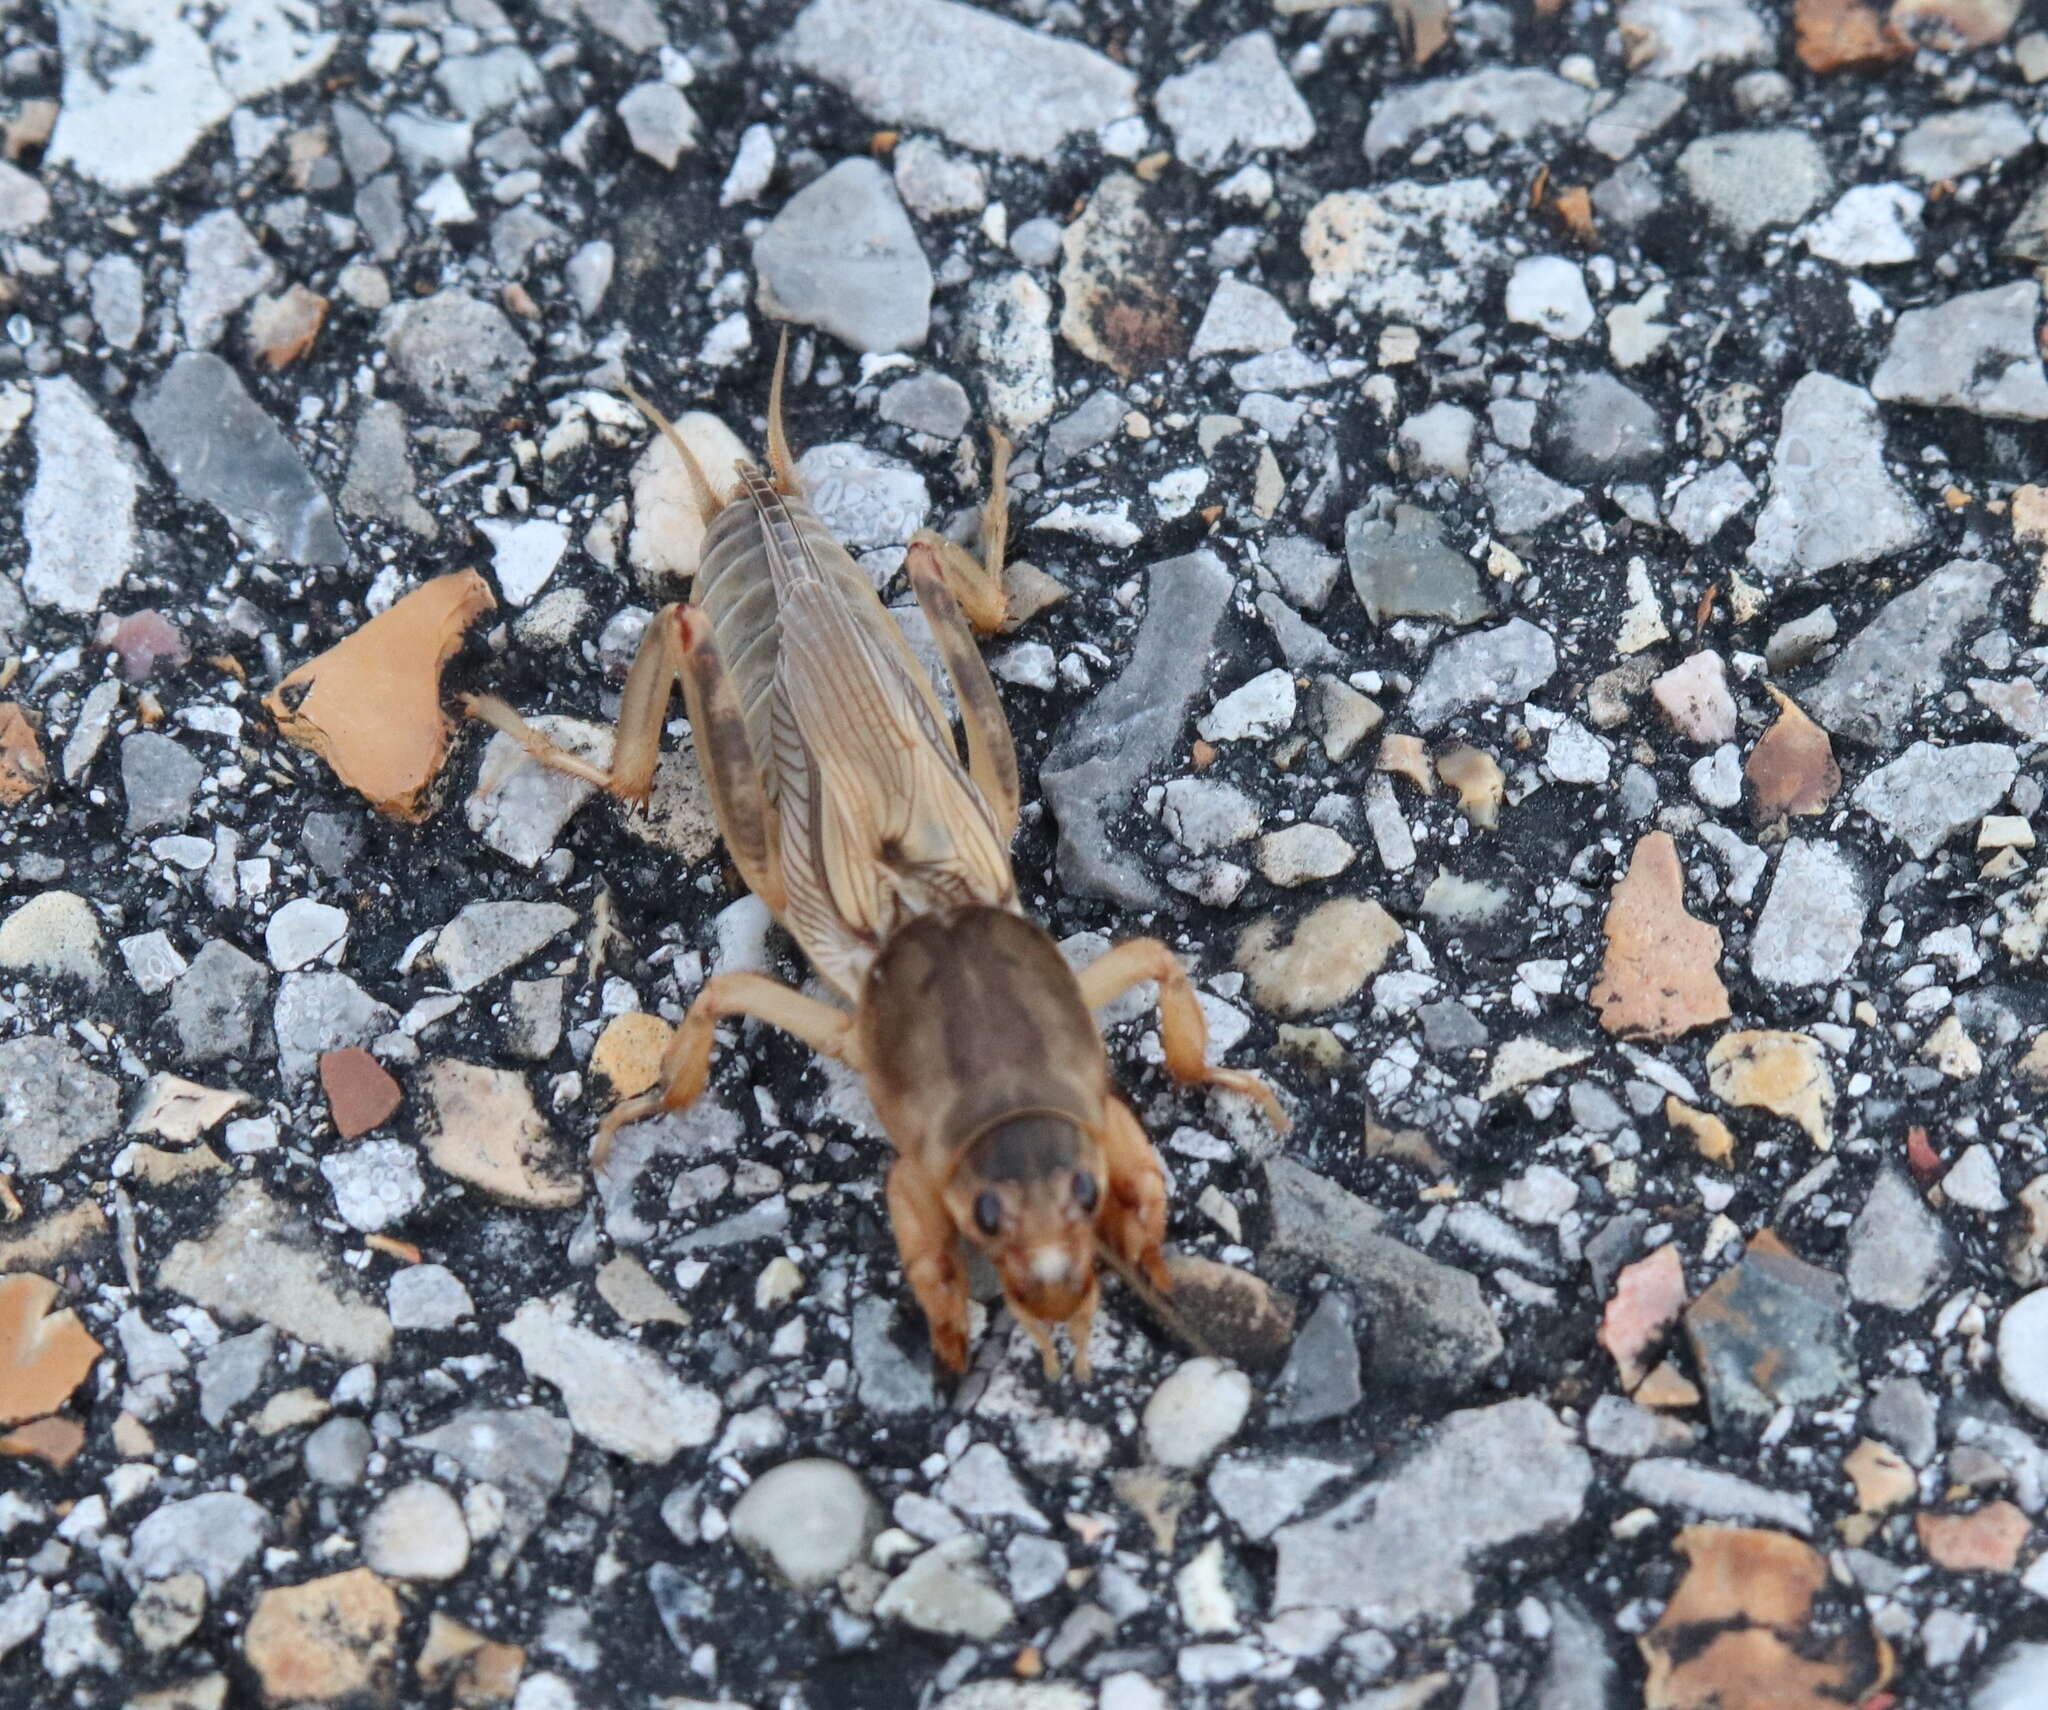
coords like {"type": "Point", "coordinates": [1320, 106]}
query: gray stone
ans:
{"type": "Point", "coordinates": [1321, 1377]}
{"type": "Point", "coordinates": [659, 121]}
{"type": "Point", "coordinates": [1203, 815]}
{"type": "Point", "coordinates": [480, 84]}
{"type": "Point", "coordinates": [22, 1616]}
{"type": "Point", "coordinates": [375, 1183]}
{"type": "Point", "coordinates": [620, 1396]}
{"type": "Point", "coordinates": [1237, 103]}
{"type": "Point", "coordinates": [233, 1371]}
{"type": "Point", "coordinates": [318, 1011]}
{"type": "Point", "coordinates": [1770, 1331]}
{"type": "Point", "coordinates": [1516, 103]}
{"type": "Point", "coordinates": [1903, 1414]}
{"type": "Point", "coordinates": [458, 355]}
{"type": "Point", "coordinates": [214, 1535]}
{"type": "Point", "coordinates": [842, 256]}
{"type": "Point", "coordinates": [159, 779]}
{"type": "Point", "coordinates": [1871, 225]}
{"type": "Point", "coordinates": [261, 1263]}
{"type": "Point", "coordinates": [490, 938]}
{"type": "Point", "coordinates": [890, 1380]}
{"type": "Point", "coordinates": [1675, 38]}
{"type": "Point", "coordinates": [2026, 239]}
{"type": "Point", "coordinates": [1879, 676]}
{"type": "Point", "coordinates": [2023, 1352]}
{"type": "Point", "coordinates": [928, 403]}
{"type": "Point", "coordinates": [936, 184]}
{"type": "Point", "coordinates": [978, 79]}
{"type": "Point", "coordinates": [1306, 572]}
{"type": "Point", "coordinates": [1811, 927]}
{"type": "Point", "coordinates": [1618, 1427]}
{"type": "Point", "coordinates": [1450, 1026]}
{"type": "Point", "coordinates": [1976, 352]}
{"type": "Point", "coordinates": [1750, 181]}
{"type": "Point", "coordinates": [1414, 253]}
{"type": "Point", "coordinates": [947, 1591]}
{"type": "Point", "coordinates": [79, 517]}
{"type": "Point", "coordinates": [1548, 292]}
{"type": "Point", "coordinates": [380, 211]}
{"type": "Point", "coordinates": [337, 1453]}
{"type": "Point", "coordinates": [1241, 317]}
{"type": "Point", "coordinates": [1302, 645]}
{"type": "Point", "coordinates": [1578, 1672]}
{"type": "Point", "coordinates": [1405, 568]}
{"type": "Point", "coordinates": [533, 1018]}
{"type": "Point", "coordinates": [1669, 1483]}
{"type": "Point", "coordinates": [114, 285]}
{"type": "Point", "coordinates": [524, 1451]}
{"type": "Point", "coordinates": [416, 1533]}
{"type": "Point", "coordinates": [224, 267]}
{"type": "Point", "coordinates": [1524, 499]}
{"type": "Point", "coordinates": [1707, 503]}
{"type": "Point", "coordinates": [1899, 1253]}
{"type": "Point", "coordinates": [865, 497]}
{"type": "Point", "coordinates": [216, 1002]}
{"type": "Point", "coordinates": [1006, 334]}
{"type": "Point", "coordinates": [1130, 727]}
{"type": "Point", "coordinates": [1259, 1494]}
{"type": "Point", "coordinates": [1494, 667]}
{"type": "Point", "coordinates": [1438, 441]}
{"type": "Point", "coordinates": [1832, 500]}
{"type": "Point", "coordinates": [1641, 110]}
{"type": "Point", "coordinates": [1629, 196]}
{"type": "Point", "coordinates": [365, 149]}
{"type": "Point", "coordinates": [1952, 145]}
{"type": "Point", "coordinates": [223, 450]}
{"type": "Point", "coordinates": [981, 1486]}
{"type": "Point", "coordinates": [1928, 794]}
{"type": "Point", "coordinates": [1598, 429]}
{"type": "Point", "coordinates": [807, 1521]}
{"type": "Point", "coordinates": [52, 1103]}
{"type": "Point", "coordinates": [2018, 1680]}
{"type": "Point", "coordinates": [1404, 1547]}
{"type": "Point", "coordinates": [381, 484]}
{"type": "Point", "coordinates": [1427, 1321]}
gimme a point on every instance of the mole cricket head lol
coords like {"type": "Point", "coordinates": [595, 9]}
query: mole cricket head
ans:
{"type": "Point", "coordinates": [1027, 1193]}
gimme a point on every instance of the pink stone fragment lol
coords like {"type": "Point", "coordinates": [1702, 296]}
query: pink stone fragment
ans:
{"type": "Point", "coordinates": [142, 641]}
{"type": "Point", "coordinates": [1694, 696]}
{"type": "Point", "coordinates": [1648, 1297]}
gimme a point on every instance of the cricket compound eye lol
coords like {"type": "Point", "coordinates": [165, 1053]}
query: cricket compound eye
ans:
{"type": "Point", "coordinates": [988, 1213]}
{"type": "Point", "coordinates": [1085, 1191]}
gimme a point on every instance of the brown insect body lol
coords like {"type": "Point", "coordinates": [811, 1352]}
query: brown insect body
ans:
{"type": "Point", "coordinates": [846, 806]}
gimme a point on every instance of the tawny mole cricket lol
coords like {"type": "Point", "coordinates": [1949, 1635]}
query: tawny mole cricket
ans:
{"type": "Point", "coordinates": [845, 805]}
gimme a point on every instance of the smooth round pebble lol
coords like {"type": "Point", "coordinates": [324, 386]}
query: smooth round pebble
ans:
{"type": "Point", "coordinates": [2023, 1352]}
{"type": "Point", "coordinates": [807, 1521]}
{"type": "Point", "coordinates": [1195, 1412]}
{"type": "Point", "coordinates": [417, 1532]}
{"type": "Point", "coordinates": [337, 1452]}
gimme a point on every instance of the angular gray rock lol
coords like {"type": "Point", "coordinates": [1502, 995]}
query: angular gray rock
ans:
{"type": "Point", "coordinates": [321, 1011]}
{"type": "Point", "coordinates": [216, 1002]}
{"type": "Point", "coordinates": [1928, 794]}
{"type": "Point", "coordinates": [1130, 727]}
{"type": "Point", "coordinates": [524, 1451]}
{"type": "Point", "coordinates": [1524, 499]}
{"type": "Point", "coordinates": [486, 939]}
{"type": "Point", "coordinates": [1881, 674]}
{"type": "Point", "coordinates": [1596, 429]}
{"type": "Point", "coordinates": [52, 1103]}
{"type": "Point", "coordinates": [223, 450]}
{"type": "Point", "coordinates": [1404, 568]}
{"type": "Point", "coordinates": [79, 518]}
{"type": "Point", "coordinates": [381, 484]}
{"type": "Point", "coordinates": [1493, 667]}
{"type": "Point", "coordinates": [1516, 103]}
{"type": "Point", "coordinates": [843, 256]}
{"type": "Point", "coordinates": [1427, 1321]}
{"type": "Point", "coordinates": [1771, 1330]}
{"type": "Point", "coordinates": [976, 78]}
{"type": "Point", "coordinates": [1811, 927]}
{"type": "Point", "coordinates": [620, 1396]}
{"type": "Point", "coordinates": [1951, 145]}
{"type": "Point", "coordinates": [1750, 181]}
{"type": "Point", "coordinates": [457, 354]}
{"type": "Point", "coordinates": [1675, 38]}
{"type": "Point", "coordinates": [215, 1535]}
{"type": "Point", "coordinates": [159, 779]}
{"type": "Point", "coordinates": [1239, 102]}
{"type": "Point", "coordinates": [1899, 1254]}
{"type": "Point", "coordinates": [224, 267]}
{"type": "Point", "coordinates": [1403, 1547]}
{"type": "Point", "coordinates": [1975, 352]}
{"type": "Point", "coordinates": [1832, 500]}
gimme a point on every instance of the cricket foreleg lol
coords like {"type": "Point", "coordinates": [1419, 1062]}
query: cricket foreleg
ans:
{"type": "Point", "coordinates": [928, 1245]}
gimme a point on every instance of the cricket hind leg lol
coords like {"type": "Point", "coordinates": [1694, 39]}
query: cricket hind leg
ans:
{"type": "Point", "coordinates": [977, 583]}
{"type": "Point", "coordinates": [1182, 1029]}
{"type": "Point", "coordinates": [686, 1063]}
{"type": "Point", "coordinates": [928, 1245]}
{"type": "Point", "coordinates": [991, 751]}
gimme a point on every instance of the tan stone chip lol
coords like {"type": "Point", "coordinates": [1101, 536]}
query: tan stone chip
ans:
{"type": "Point", "coordinates": [482, 1127]}
{"type": "Point", "coordinates": [1319, 961]}
{"type": "Point", "coordinates": [328, 1641]}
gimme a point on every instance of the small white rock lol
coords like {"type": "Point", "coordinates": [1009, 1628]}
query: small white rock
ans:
{"type": "Point", "coordinates": [417, 1532]}
{"type": "Point", "coordinates": [1198, 1409]}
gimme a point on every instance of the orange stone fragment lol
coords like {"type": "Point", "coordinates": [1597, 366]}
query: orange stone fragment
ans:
{"type": "Point", "coordinates": [1738, 1633]}
{"type": "Point", "coordinates": [1845, 35]}
{"type": "Point", "coordinates": [1882, 1476]}
{"type": "Point", "coordinates": [23, 770]}
{"type": "Point", "coordinates": [56, 1440]}
{"type": "Point", "coordinates": [370, 706]}
{"type": "Point", "coordinates": [473, 1670]}
{"type": "Point", "coordinates": [282, 328]}
{"type": "Point", "coordinates": [1658, 980]}
{"type": "Point", "coordinates": [360, 1092]}
{"type": "Point", "coordinates": [1985, 1541]}
{"type": "Point", "coordinates": [42, 1359]}
{"type": "Point", "coordinates": [1792, 768]}
{"type": "Point", "coordinates": [331, 1640]}
{"type": "Point", "coordinates": [1648, 1297]}
{"type": "Point", "coordinates": [628, 1052]}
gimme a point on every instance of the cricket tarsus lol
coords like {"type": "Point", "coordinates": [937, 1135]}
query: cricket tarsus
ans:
{"type": "Point", "coordinates": [848, 807]}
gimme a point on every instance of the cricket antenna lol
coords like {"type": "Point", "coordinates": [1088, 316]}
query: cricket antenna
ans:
{"type": "Point", "coordinates": [700, 488]}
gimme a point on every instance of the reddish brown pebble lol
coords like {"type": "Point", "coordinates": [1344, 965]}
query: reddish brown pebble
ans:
{"type": "Point", "coordinates": [359, 1092]}
{"type": "Point", "coordinates": [1921, 1157]}
{"type": "Point", "coordinates": [1648, 1297]}
{"type": "Point", "coordinates": [142, 641]}
{"type": "Point", "coordinates": [56, 1440]}
{"type": "Point", "coordinates": [1792, 768]}
{"type": "Point", "coordinates": [1986, 1541]}
{"type": "Point", "coordinates": [1659, 979]}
